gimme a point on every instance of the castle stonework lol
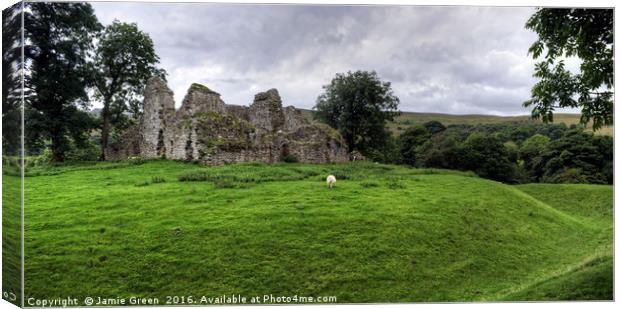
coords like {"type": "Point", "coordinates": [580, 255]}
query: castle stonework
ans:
{"type": "Point", "coordinates": [207, 130]}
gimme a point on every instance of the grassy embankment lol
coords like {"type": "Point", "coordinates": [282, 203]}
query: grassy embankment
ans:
{"type": "Point", "coordinates": [384, 234]}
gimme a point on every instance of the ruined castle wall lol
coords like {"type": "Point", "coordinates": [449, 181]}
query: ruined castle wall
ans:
{"type": "Point", "coordinates": [263, 153]}
{"type": "Point", "coordinates": [293, 119]}
{"type": "Point", "coordinates": [181, 141]}
{"type": "Point", "coordinates": [200, 99]}
{"type": "Point", "coordinates": [182, 137]}
{"type": "Point", "coordinates": [239, 111]}
{"type": "Point", "coordinates": [207, 130]}
{"type": "Point", "coordinates": [266, 111]}
{"type": "Point", "coordinates": [157, 117]}
{"type": "Point", "coordinates": [317, 144]}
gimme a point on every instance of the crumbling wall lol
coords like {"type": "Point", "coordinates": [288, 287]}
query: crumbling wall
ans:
{"type": "Point", "coordinates": [293, 119]}
{"type": "Point", "coordinates": [266, 111]}
{"type": "Point", "coordinates": [207, 130]}
{"type": "Point", "coordinates": [158, 116]}
{"type": "Point", "coordinates": [182, 136]}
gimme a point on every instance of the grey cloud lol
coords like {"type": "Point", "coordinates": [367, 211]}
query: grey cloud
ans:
{"type": "Point", "coordinates": [439, 59]}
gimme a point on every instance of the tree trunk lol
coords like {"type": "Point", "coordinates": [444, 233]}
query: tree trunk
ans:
{"type": "Point", "coordinates": [57, 147]}
{"type": "Point", "coordinates": [105, 129]}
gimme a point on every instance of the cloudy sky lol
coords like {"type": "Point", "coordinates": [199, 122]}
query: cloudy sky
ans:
{"type": "Point", "coordinates": [461, 60]}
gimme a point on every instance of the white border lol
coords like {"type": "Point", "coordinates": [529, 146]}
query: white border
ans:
{"type": "Point", "coordinates": [521, 3]}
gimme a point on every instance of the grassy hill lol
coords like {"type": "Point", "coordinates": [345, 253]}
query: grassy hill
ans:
{"type": "Point", "coordinates": [383, 234]}
{"type": "Point", "coordinates": [408, 118]}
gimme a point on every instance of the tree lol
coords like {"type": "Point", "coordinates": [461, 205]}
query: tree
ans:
{"type": "Point", "coordinates": [434, 126]}
{"type": "Point", "coordinates": [605, 146]}
{"type": "Point", "coordinates": [512, 150]}
{"type": "Point", "coordinates": [410, 140]}
{"type": "Point", "coordinates": [359, 105]}
{"type": "Point", "coordinates": [441, 151]}
{"type": "Point", "coordinates": [588, 35]}
{"type": "Point", "coordinates": [59, 40]}
{"type": "Point", "coordinates": [124, 61]}
{"type": "Point", "coordinates": [487, 157]}
{"type": "Point", "coordinates": [11, 54]}
{"type": "Point", "coordinates": [530, 152]}
{"type": "Point", "coordinates": [577, 157]}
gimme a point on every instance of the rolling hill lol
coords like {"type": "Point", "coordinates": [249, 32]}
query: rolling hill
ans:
{"type": "Point", "coordinates": [408, 118]}
{"type": "Point", "coordinates": [383, 234]}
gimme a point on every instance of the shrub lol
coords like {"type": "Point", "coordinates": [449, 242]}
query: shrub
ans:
{"type": "Point", "coordinates": [224, 183]}
{"type": "Point", "coordinates": [86, 151]}
{"type": "Point", "coordinates": [194, 176]}
{"type": "Point", "coordinates": [394, 184]}
{"type": "Point", "coordinates": [290, 159]}
{"type": "Point", "coordinates": [143, 183]}
{"type": "Point", "coordinates": [157, 179]}
{"type": "Point", "coordinates": [569, 175]}
{"type": "Point", "coordinates": [135, 160]}
{"type": "Point", "coordinates": [369, 184]}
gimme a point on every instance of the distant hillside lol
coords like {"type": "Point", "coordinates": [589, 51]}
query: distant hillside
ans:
{"type": "Point", "coordinates": [408, 118]}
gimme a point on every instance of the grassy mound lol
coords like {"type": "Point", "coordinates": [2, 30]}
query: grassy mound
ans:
{"type": "Point", "coordinates": [591, 281]}
{"type": "Point", "coordinates": [591, 203]}
{"type": "Point", "coordinates": [593, 278]}
{"type": "Point", "coordinates": [383, 234]}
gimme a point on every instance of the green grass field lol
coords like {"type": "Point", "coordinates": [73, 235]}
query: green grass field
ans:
{"type": "Point", "coordinates": [11, 238]}
{"type": "Point", "coordinates": [383, 234]}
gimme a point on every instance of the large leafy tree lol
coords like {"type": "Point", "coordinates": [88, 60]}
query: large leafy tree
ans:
{"type": "Point", "coordinates": [11, 52]}
{"type": "Point", "coordinates": [530, 153]}
{"type": "Point", "coordinates": [583, 33]}
{"type": "Point", "coordinates": [124, 61]}
{"type": "Point", "coordinates": [434, 126]}
{"type": "Point", "coordinates": [410, 140]}
{"type": "Point", "coordinates": [487, 156]}
{"type": "Point", "coordinates": [359, 105]}
{"type": "Point", "coordinates": [58, 43]}
{"type": "Point", "coordinates": [578, 157]}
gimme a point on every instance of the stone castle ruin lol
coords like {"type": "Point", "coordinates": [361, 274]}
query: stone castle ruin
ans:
{"type": "Point", "coordinates": [207, 130]}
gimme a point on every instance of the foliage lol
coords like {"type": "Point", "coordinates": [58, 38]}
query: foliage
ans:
{"type": "Point", "coordinates": [124, 61]}
{"type": "Point", "coordinates": [359, 105]}
{"type": "Point", "coordinates": [434, 126]}
{"type": "Point", "coordinates": [487, 156]}
{"type": "Point", "coordinates": [410, 140]}
{"type": "Point", "coordinates": [59, 38]}
{"type": "Point", "coordinates": [442, 151]}
{"type": "Point", "coordinates": [577, 157]}
{"type": "Point", "coordinates": [514, 152]}
{"type": "Point", "coordinates": [388, 154]}
{"type": "Point", "coordinates": [83, 151]}
{"type": "Point", "coordinates": [157, 179]}
{"type": "Point", "coordinates": [11, 81]}
{"type": "Point", "coordinates": [564, 33]}
{"type": "Point", "coordinates": [290, 159]}
{"type": "Point", "coordinates": [530, 154]}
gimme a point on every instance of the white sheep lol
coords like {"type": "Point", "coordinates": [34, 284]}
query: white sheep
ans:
{"type": "Point", "coordinates": [331, 180]}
